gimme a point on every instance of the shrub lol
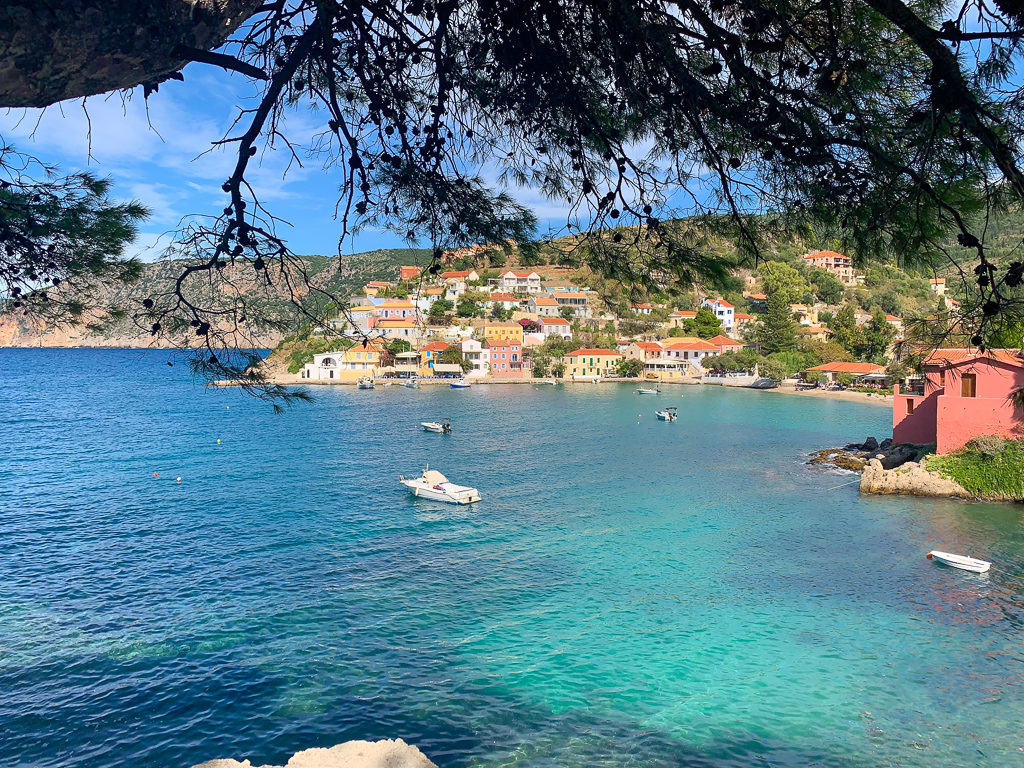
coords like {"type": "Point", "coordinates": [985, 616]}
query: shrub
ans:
{"type": "Point", "coordinates": [999, 475]}
{"type": "Point", "coordinates": [987, 445]}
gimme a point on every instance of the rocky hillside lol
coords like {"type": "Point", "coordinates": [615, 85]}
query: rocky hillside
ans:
{"type": "Point", "coordinates": [338, 276]}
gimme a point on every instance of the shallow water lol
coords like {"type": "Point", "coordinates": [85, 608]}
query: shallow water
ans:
{"type": "Point", "coordinates": [629, 592]}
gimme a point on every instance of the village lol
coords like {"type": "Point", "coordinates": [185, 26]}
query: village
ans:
{"type": "Point", "coordinates": [522, 325]}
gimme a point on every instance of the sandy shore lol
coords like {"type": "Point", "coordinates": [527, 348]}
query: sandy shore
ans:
{"type": "Point", "coordinates": [856, 397]}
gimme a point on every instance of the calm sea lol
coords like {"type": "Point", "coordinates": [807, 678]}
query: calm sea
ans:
{"type": "Point", "coordinates": [629, 592]}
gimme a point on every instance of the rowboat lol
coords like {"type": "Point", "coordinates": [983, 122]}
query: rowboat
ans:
{"type": "Point", "coordinates": [669, 414]}
{"type": "Point", "coordinates": [648, 391]}
{"type": "Point", "coordinates": [433, 485]}
{"type": "Point", "coordinates": [963, 562]}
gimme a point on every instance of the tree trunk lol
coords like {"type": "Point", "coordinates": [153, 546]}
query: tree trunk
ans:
{"type": "Point", "coordinates": [63, 49]}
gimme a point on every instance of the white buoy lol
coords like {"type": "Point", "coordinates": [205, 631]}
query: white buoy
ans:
{"type": "Point", "coordinates": [179, 479]}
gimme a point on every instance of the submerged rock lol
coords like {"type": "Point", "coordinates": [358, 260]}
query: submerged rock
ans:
{"type": "Point", "coordinates": [387, 753]}
{"type": "Point", "coordinates": [910, 479]}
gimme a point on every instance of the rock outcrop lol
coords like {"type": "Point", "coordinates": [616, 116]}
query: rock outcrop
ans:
{"type": "Point", "coordinates": [909, 479]}
{"type": "Point", "coordinates": [855, 456]}
{"type": "Point", "coordinates": [387, 753]}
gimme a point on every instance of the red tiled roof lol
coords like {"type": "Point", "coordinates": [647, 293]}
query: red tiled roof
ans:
{"type": "Point", "coordinates": [545, 302]}
{"type": "Point", "coordinates": [435, 346]}
{"type": "Point", "coordinates": [757, 296]}
{"type": "Point", "coordinates": [685, 313]}
{"type": "Point", "coordinates": [464, 273]}
{"type": "Point", "coordinates": [826, 255]}
{"type": "Point", "coordinates": [648, 346]}
{"type": "Point", "coordinates": [554, 321]}
{"type": "Point", "coordinates": [848, 368]}
{"type": "Point", "coordinates": [893, 319]}
{"type": "Point", "coordinates": [943, 357]}
{"type": "Point", "coordinates": [721, 302]}
{"type": "Point", "coordinates": [697, 345]}
{"type": "Point", "coordinates": [595, 352]}
{"type": "Point", "coordinates": [723, 341]}
{"type": "Point", "coordinates": [406, 272]}
{"type": "Point", "coordinates": [500, 296]}
{"type": "Point", "coordinates": [642, 306]}
{"type": "Point", "coordinates": [378, 284]}
{"type": "Point", "coordinates": [519, 274]}
{"type": "Point", "coordinates": [742, 316]}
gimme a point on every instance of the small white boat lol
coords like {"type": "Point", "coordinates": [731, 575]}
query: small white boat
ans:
{"type": "Point", "coordinates": [366, 383]}
{"type": "Point", "coordinates": [643, 391]}
{"type": "Point", "coordinates": [669, 414]}
{"type": "Point", "coordinates": [444, 426]}
{"type": "Point", "coordinates": [433, 485]}
{"type": "Point", "coordinates": [460, 384]}
{"type": "Point", "coordinates": [411, 384]}
{"type": "Point", "coordinates": [963, 562]}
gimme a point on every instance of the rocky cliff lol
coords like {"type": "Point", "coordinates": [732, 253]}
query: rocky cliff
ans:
{"type": "Point", "coordinates": [387, 753]}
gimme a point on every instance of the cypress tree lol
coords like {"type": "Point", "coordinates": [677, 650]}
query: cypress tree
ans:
{"type": "Point", "coordinates": [778, 330]}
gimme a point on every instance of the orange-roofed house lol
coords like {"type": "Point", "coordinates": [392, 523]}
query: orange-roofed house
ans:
{"type": "Point", "coordinates": [723, 310]}
{"type": "Point", "coordinates": [507, 331]}
{"type": "Point", "coordinates": [504, 300]}
{"type": "Point", "coordinates": [397, 310]}
{"type": "Point", "coordinates": [578, 301]}
{"type": "Point", "coordinates": [398, 329]}
{"type": "Point", "coordinates": [839, 265]}
{"type": "Point", "coordinates": [542, 306]}
{"type": "Point", "coordinates": [831, 370]}
{"type": "Point", "coordinates": [641, 309]}
{"type": "Point", "coordinates": [642, 350]}
{"type": "Point", "coordinates": [895, 322]}
{"type": "Point", "coordinates": [690, 352]}
{"type": "Point", "coordinates": [345, 366]}
{"type": "Point", "coordinates": [429, 354]}
{"type": "Point", "coordinates": [456, 283]}
{"type": "Point", "coordinates": [680, 316]}
{"type": "Point", "coordinates": [966, 394]}
{"type": "Point", "coordinates": [409, 273]}
{"type": "Point", "coordinates": [374, 287]}
{"type": "Point", "coordinates": [519, 282]}
{"type": "Point", "coordinates": [557, 326]}
{"type": "Point", "coordinates": [938, 285]}
{"type": "Point", "coordinates": [819, 332]}
{"type": "Point", "coordinates": [726, 344]}
{"type": "Point", "coordinates": [591, 363]}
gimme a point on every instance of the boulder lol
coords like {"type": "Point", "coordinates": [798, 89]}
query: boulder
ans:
{"type": "Point", "coordinates": [871, 444]}
{"type": "Point", "coordinates": [885, 444]}
{"type": "Point", "coordinates": [896, 456]}
{"type": "Point", "coordinates": [910, 479]}
{"type": "Point", "coordinates": [387, 753]}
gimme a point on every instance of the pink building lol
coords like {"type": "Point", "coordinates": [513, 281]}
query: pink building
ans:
{"type": "Point", "coordinates": [966, 394]}
{"type": "Point", "coordinates": [506, 359]}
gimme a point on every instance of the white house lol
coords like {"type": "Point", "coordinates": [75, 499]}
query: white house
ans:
{"type": "Point", "coordinates": [477, 354]}
{"type": "Point", "coordinates": [519, 282]}
{"type": "Point", "coordinates": [455, 283]}
{"type": "Point", "coordinates": [690, 351]}
{"type": "Point", "coordinates": [641, 309]}
{"type": "Point", "coordinates": [555, 325]}
{"type": "Point", "coordinates": [579, 302]}
{"type": "Point", "coordinates": [504, 300]}
{"type": "Point", "coordinates": [723, 310]}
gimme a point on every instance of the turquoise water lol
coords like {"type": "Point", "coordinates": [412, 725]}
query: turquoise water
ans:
{"type": "Point", "coordinates": [627, 594]}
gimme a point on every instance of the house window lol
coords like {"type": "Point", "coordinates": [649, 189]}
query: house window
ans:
{"type": "Point", "coordinates": [910, 406]}
{"type": "Point", "coordinates": [942, 378]}
{"type": "Point", "coordinates": [969, 385]}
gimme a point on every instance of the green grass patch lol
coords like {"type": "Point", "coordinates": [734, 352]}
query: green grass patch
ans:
{"type": "Point", "coordinates": [987, 466]}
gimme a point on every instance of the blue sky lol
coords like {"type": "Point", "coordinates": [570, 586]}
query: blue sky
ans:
{"type": "Point", "coordinates": [151, 151]}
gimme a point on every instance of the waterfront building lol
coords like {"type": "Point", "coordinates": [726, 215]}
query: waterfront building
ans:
{"type": "Point", "coordinates": [591, 363]}
{"type": "Point", "coordinates": [839, 265]}
{"type": "Point", "coordinates": [665, 369]}
{"type": "Point", "coordinates": [477, 355]}
{"type": "Point", "coordinates": [723, 310]}
{"type": "Point", "coordinates": [726, 344]}
{"type": "Point", "coordinates": [505, 357]}
{"type": "Point", "coordinates": [831, 370]}
{"type": "Point", "coordinates": [642, 350]}
{"type": "Point", "coordinates": [690, 351]}
{"type": "Point", "coordinates": [345, 365]}
{"type": "Point", "coordinates": [429, 354]}
{"type": "Point", "coordinates": [519, 282]}
{"type": "Point", "coordinates": [966, 394]}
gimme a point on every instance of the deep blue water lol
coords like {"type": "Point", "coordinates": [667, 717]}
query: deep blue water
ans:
{"type": "Point", "coordinates": [629, 592]}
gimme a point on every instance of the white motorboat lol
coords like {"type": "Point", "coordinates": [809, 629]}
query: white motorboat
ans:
{"type": "Point", "coordinates": [366, 383]}
{"type": "Point", "coordinates": [433, 485]}
{"type": "Point", "coordinates": [460, 384]}
{"type": "Point", "coordinates": [963, 562]}
{"type": "Point", "coordinates": [643, 391]}
{"type": "Point", "coordinates": [669, 414]}
{"type": "Point", "coordinates": [411, 384]}
{"type": "Point", "coordinates": [443, 426]}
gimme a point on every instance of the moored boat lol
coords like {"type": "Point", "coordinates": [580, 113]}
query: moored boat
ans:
{"type": "Point", "coordinates": [460, 384]}
{"type": "Point", "coordinates": [963, 562]}
{"type": "Point", "coordinates": [669, 414]}
{"type": "Point", "coordinates": [442, 426]}
{"type": "Point", "coordinates": [411, 384]}
{"type": "Point", "coordinates": [648, 391]}
{"type": "Point", "coordinates": [433, 485]}
{"type": "Point", "coordinates": [365, 383]}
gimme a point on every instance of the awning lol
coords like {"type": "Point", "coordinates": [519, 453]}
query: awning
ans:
{"type": "Point", "coordinates": [447, 368]}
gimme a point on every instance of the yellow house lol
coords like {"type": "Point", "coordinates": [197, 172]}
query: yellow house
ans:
{"type": "Point", "coordinates": [374, 287]}
{"type": "Point", "coordinates": [347, 366]}
{"type": "Point", "coordinates": [504, 332]}
{"type": "Point", "coordinates": [398, 329]}
{"type": "Point", "coordinates": [590, 363]}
